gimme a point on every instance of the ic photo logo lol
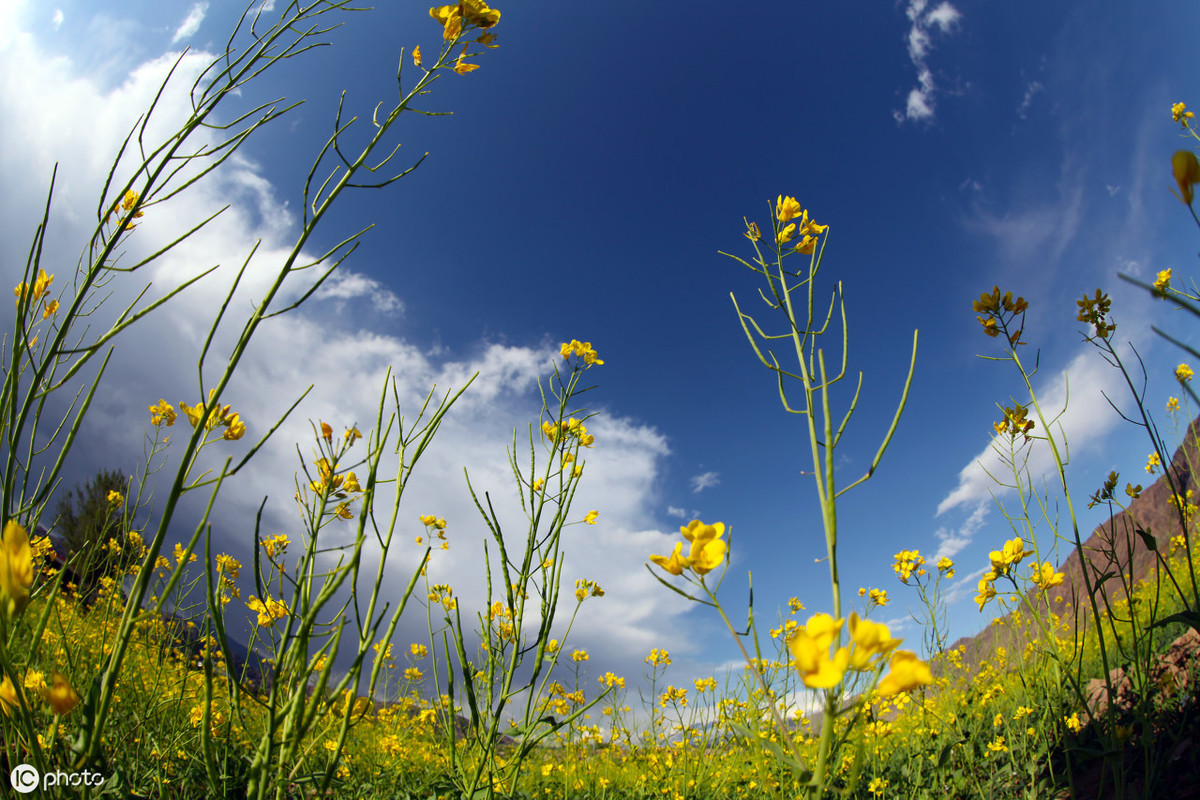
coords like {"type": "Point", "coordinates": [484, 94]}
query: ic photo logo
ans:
{"type": "Point", "coordinates": [24, 778]}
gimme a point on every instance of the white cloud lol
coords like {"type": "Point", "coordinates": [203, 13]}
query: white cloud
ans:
{"type": "Point", "coordinates": [79, 124]}
{"type": "Point", "coordinates": [1031, 90]}
{"type": "Point", "coordinates": [953, 541]}
{"type": "Point", "coordinates": [191, 23]}
{"type": "Point", "coordinates": [704, 481]}
{"type": "Point", "coordinates": [921, 104]}
{"type": "Point", "coordinates": [56, 21]}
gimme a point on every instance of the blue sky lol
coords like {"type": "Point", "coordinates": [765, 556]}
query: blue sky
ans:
{"type": "Point", "coordinates": [593, 168]}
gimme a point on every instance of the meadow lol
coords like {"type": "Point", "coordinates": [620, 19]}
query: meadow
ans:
{"type": "Point", "coordinates": [106, 693]}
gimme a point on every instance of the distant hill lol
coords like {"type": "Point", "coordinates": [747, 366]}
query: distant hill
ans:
{"type": "Point", "coordinates": [1155, 514]}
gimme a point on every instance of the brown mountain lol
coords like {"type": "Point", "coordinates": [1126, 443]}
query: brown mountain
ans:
{"type": "Point", "coordinates": [1118, 546]}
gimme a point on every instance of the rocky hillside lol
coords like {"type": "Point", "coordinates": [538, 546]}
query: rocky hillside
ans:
{"type": "Point", "coordinates": [1153, 514]}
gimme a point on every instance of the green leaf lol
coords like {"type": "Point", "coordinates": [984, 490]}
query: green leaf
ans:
{"type": "Point", "coordinates": [1148, 540]}
{"type": "Point", "coordinates": [1189, 618]}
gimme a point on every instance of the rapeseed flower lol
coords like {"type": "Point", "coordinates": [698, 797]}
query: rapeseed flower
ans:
{"type": "Point", "coordinates": [1045, 576]}
{"type": "Point", "coordinates": [60, 695]}
{"type": "Point", "coordinates": [16, 569]}
{"type": "Point", "coordinates": [268, 612]}
{"type": "Point", "coordinates": [1183, 373]}
{"type": "Point", "coordinates": [1186, 169]}
{"type": "Point", "coordinates": [1180, 114]}
{"type": "Point", "coordinates": [1014, 551]}
{"type": "Point", "coordinates": [1162, 281]}
{"type": "Point", "coordinates": [907, 672]}
{"type": "Point", "coordinates": [809, 647]}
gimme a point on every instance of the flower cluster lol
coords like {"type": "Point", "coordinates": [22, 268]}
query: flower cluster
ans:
{"type": "Point", "coordinates": [571, 428]}
{"type": "Point", "coordinates": [269, 611]}
{"type": "Point", "coordinates": [1183, 373]}
{"type": "Point", "coordinates": [122, 208]}
{"type": "Point", "coordinates": [1002, 562]}
{"type": "Point", "coordinates": [1180, 114]}
{"type": "Point", "coordinates": [436, 526]}
{"type": "Point", "coordinates": [907, 562]}
{"type": "Point", "coordinates": [41, 287]}
{"type": "Point", "coordinates": [220, 415]}
{"type": "Point", "coordinates": [1015, 422]}
{"type": "Point", "coordinates": [706, 553]}
{"type": "Point", "coordinates": [59, 694]}
{"type": "Point", "coordinates": [1162, 282]}
{"type": "Point", "coordinates": [581, 349]}
{"type": "Point", "coordinates": [1044, 576]}
{"type": "Point", "coordinates": [787, 209]}
{"type": "Point", "coordinates": [1000, 313]}
{"type": "Point", "coordinates": [442, 593]}
{"type": "Point", "coordinates": [585, 588]}
{"type": "Point", "coordinates": [1094, 310]}
{"type": "Point", "coordinates": [870, 643]}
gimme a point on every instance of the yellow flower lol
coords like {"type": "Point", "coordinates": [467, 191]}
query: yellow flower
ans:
{"type": "Point", "coordinates": [658, 657]}
{"type": "Point", "coordinates": [1152, 463]}
{"type": "Point", "coordinates": [1180, 114]}
{"type": "Point", "coordinates": [675, 563]}
{"type": "Point", "coordinates": [708, 548]}
{"type": "Point", "coordinates": [809, 647]}
{"type": "Point", "coordinates": [1073, 722]}
{"type": "Point", "coordinates": [162, 412]}
{"type": "Point", "coordinates": [582, 349]}
{"type": "Point", "coordinates": [417, 56]}
{"type": "Point", "coordinates": [16, 569]}
{"type": "Point", "coordinates": [461, 67]}
{"type": "Point", "coordinates": [1173, 404]}
{"type": "Point", "coordinates": [1162, 281]}
{"type": "Point", "coordinates": [870, 639]}
{"type": "Point", "coordinates": [60, 696]}
{"type": "Point", "coordinates": [268, 612]}
{"type": "Point", "coordinates": [1187, 173]}
{"type": "Point", "coordinates": [877, 785]}
{"type": "Point", "coordinates": [907, 562]}
{"type": "Point", "coordinates": [228, 565]}
{"type": "Point", "coordinates": [1183, 373]}
{"type": "Point", "coordinates": [590, 517]}
{"type": "Point", "coordinates": [50, 310]}
{"type": "Point", "coordinates": [580, 655]}
{"type": "Point", "coordinates": [1014, 550]}
{"type": "Point", "coordinates": [114, 497]}
{"type": "Point", "coordinates": [279, 543]}
{"type": "Point", "coordinates": [8, 695]}
{"type": "Point", "coordinates": [1045, 576]}
{"type": "Point", "coordinates": [879, 597]}
{"type": "Point", "coordinates": [350, 483]}
{"type": "Point", "coordinates": [908, 672]}
{"type": "Point", "coordinates": [946, 566]}
{"type": "Point", "coordinates": [787, 208]}
{"type": "Point", "coordinates": [987, 590]}
{"type": "Point", "coordinates": [785, 235]}
{"type": "Point", "coordinates": [752, 232]}
{"type": "Point", "coordinates": [476, 12]}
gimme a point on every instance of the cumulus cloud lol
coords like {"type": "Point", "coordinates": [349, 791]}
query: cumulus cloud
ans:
{"type": "Point", "coordinates": [704, 481]}
{"type": "Point", "coordinates": [924, 22]}
{"type": "Point", "coordinates": [191, 23]}
{"type": "Point", "coordinates": [78, 123]}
